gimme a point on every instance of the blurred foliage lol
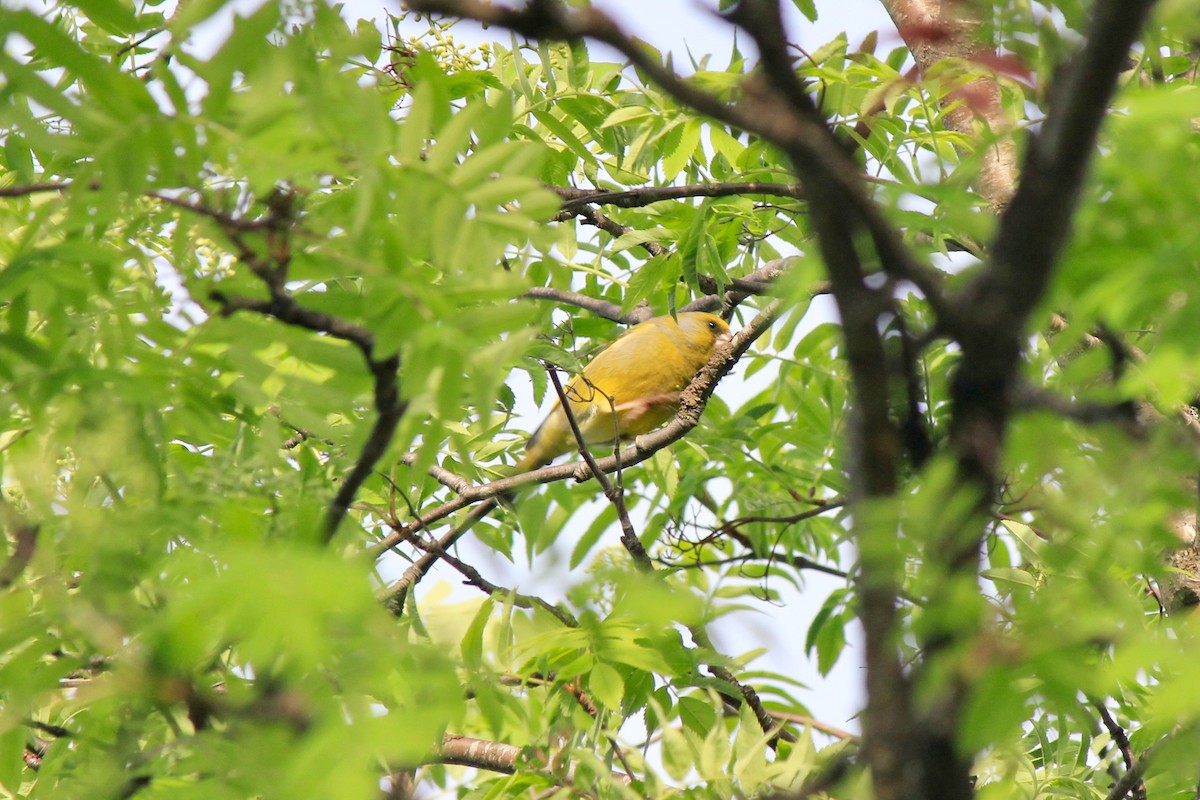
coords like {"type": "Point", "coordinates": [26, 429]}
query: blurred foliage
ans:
{"type": "Point", "coordinates": [177, 631]}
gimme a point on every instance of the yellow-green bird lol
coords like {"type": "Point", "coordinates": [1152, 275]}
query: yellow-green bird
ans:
{"type": "Point", "coordinates": [638, 378]}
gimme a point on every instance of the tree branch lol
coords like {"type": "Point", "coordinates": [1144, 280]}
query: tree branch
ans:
{"type": "Point", "coordinates": [1033, 231]}
{"type": "Point", "coordinates": [389, 410]}
{"type": "Point", "coordinates": [284, 308]}
{"type": "Point", "coordinates": [1121, 740]}
{"type": "Point", "coordinates": [815, 724]}
{"type": "Point", "coordinates": [395, 593]}
{"type": "Point", "coordinates": [24, 190]}
{"type": "Point", "coordinates": [479, 753]}
{"type": "Point", "coordinates": [995, 308]}
{"type": "Point", "coordinates": [388, 406]}
{"type": "Point", "coordinates": [1035, 226]}
{"type": "Point", "coordinates": [526, 601]}
{"type": "Point", "coordinates": [1133, 776]}
{"type": "Point", "coordinates": [742, 693]}
{"type": "Point", "coordinates": [491, 756]}
{"type": "Point", "coordinates": [271, 268]}
{"type": "Point", "coordinates": [600, 308]}
{"type": "Point", "coordinates": [1124, 415]}
{"type": "Point", "coordinates": [574, 199]}
{"type": "Point", "coordinates": [276, 224]}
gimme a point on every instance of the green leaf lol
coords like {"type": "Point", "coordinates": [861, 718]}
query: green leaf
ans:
{"type": "Point", "coordinates": [696, 715]}
{"type": "Point", "coordinates": [627, 114]}
{"type": "Point", "coordinates": [606, 686]}
{"type": "Point", "coordinates": [678, 758]}
{"type": "Point", "coordinates": [112, 15]}
{"type": "Point", "coordinates": [678, 157]}
{"type": "Point", "coordinates": [808, 8]}
{"type": "Point", "coordinates": [830, 641]}
{"type": "Point", "coordinates": [418, 125]}
{"type": "Point", "coordinates": [1031, 544]}
{"type": "Point", "coordinates": [18, 157]}
{"type": "Point", "coordinates": [472, 642]}
{"type": "Point", "coordinates": [1009, 575]}
{"type": "Point", "coordinates": [602, 522]}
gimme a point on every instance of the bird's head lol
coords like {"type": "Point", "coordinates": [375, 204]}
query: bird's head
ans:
{"type": "Point", "coordinates": [704, 332]}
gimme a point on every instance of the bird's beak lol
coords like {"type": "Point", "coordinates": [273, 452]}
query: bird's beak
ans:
{"type": "Point", "coordinates": [724, 339]}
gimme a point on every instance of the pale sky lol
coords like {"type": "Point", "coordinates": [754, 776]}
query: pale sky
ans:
{"type": "Point", "coordinates": [680, 25]}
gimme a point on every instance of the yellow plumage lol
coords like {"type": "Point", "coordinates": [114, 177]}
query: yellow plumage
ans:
{"type": "Point", "coordinates": [638, 378]}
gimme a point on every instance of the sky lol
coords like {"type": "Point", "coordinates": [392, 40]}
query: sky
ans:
{"type": "Point", "coordinates": [682, 25]}
{"type": "Point", "coordinates": [672, 24]}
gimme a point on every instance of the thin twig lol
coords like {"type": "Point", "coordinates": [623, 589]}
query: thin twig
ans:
{"type": "Point", "coordinates": [815, 724]}
{"type": "Point", "coordinates": [1121, 740]}
{"type": "Point", "coordinates": [474, 578]}
{"type": "Point", "coordinates": [394, 594]}
{"type": "Point", "coordinates": [742, 693]}
{"type": "Point", "coordinates": [600, 308]}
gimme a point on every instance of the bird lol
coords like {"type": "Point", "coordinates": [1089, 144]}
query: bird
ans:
{"type": "Point", "coordinates": [639, 378]}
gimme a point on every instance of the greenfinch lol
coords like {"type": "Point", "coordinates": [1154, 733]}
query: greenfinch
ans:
{"type": "Point", "coordinates": [638, 379]}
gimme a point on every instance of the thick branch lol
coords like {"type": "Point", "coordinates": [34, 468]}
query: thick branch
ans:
{"type": "Point", "coordinates": [995, 311]}
{"type": "Point", "coordinates": [1033, 231]}
{"type": "Point", "coordinates": [1133, 776]}
{"type": "Point", "coordinates": [467, 752]}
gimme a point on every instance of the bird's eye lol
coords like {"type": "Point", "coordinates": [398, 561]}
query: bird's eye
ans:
{"type": "Point", "coordinates": [712, 326]}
